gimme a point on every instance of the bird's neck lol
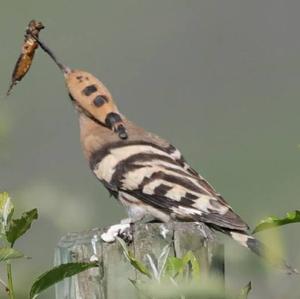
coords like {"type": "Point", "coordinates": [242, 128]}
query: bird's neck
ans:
{"type": "Point", "coordinates": [93, 136]}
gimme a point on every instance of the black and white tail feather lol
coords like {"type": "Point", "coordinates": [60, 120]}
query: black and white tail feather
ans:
{"type": "Point", "coordinates": [151, 177]}
{"type": "Point", "coordinates": [260, 249]}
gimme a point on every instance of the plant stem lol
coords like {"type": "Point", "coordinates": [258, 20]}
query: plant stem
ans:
{"type": "Point", "coordinates": [4, 285]}
{"type": "Point", "coordinates": [10, 281]}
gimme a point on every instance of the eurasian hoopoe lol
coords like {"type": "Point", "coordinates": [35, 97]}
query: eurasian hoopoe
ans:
{"type": "Point", "coordinates": [147, 174]}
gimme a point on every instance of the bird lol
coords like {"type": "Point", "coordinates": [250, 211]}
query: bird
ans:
{"type": "Point", "coordinates": [148, 175]}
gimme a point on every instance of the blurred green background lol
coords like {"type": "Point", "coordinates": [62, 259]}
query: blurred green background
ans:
{"type": "Point", "coordinates": [219, 79]}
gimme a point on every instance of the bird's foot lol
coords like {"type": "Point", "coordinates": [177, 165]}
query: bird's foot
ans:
{"type": "Point", "coordinates": [121, 230]}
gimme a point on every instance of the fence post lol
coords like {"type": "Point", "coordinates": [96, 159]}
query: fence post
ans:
{"type": "Point", "coordinates": [110, 280]}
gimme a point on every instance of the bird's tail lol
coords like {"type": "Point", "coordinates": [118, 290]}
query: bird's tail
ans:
{"type": "Point", "coordinates": [261, 250]}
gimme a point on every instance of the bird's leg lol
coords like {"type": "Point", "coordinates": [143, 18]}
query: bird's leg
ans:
{"type": "Point", "coordinates": [129, 220]}
{"type": "Point", "coordinates": [143, 219]}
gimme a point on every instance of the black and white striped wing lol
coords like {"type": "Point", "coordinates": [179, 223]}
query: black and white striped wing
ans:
{"type": "Point", "coordinates": [160, 180]}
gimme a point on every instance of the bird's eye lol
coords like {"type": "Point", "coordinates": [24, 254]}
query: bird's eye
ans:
{"type": "Point", "coordinates": [99, 101]}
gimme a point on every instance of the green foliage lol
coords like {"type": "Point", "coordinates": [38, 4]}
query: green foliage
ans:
{"type": "Point", "coordinates": [168, 277]}
{"type": "Point", "coordinates": [188, 266]}
{"type": "Point", "coordinates": [271, 222]}
{"type": "Point", "coordinates": [171, 272]}
{"type": "Point", "coordinates": [245, 291]}
{"type": "Point", "coordinates": [6, 212]}
{"type": "Point", "coordinates": [57, 274]}
{"type": "Point", "coordinates": [174, 277]}
{"type": "Point", "coordinates": [10, 231]}
{"type": "Point", "coordinates": [8, 253]}
{"type": "Point", "coordinates": [167, 266]}
{"type": "Point", "coordinates": [20, 226]}
{"type": "Point", "coordinates": [133, 261]}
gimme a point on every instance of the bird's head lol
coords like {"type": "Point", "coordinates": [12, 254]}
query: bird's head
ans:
{"type": "Point", "coordinates": [90, 96]}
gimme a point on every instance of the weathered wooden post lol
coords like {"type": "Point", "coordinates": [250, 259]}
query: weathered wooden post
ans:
{"type": "Point", "coordinates": [110, 280]}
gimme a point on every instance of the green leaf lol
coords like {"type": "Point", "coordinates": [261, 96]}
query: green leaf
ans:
{"type": "Point", "coordinates": [133, 261]}
{"type": "Point", "coordinates": [19, 227]}
{"type": "Point", "coordinates": [174, 266]}
{"type": "Point", "coordinates": [270, 222]}
{"type": "Point", "coordinates": [190, 258]}
{"type": "Point", "coordinates": [6, 211]}
{"type": "Point", "coordinates": [7, 253]}
{"type": "Point", "coordinates": [57, 274]}
{"type": "Point", "coordinates": [245, 291]}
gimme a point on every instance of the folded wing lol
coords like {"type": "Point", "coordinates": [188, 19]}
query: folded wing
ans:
{"type": "Point", "coordinates": [160, 177]}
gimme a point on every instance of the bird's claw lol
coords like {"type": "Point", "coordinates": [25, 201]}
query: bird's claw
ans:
{"type": "Point", "coordinates": [122, 231]}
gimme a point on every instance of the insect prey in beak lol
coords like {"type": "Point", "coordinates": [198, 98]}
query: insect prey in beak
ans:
{"type": "Point", "coordinates": [25, 59]}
